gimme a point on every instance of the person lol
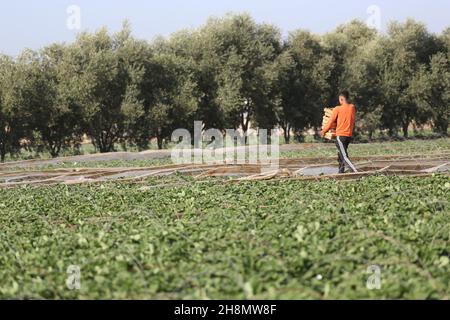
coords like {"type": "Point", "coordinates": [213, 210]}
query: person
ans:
{"type": "Point", "coordinates": [344, 118]}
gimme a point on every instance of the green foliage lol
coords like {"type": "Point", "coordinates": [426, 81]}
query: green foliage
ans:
{"type": "Point", "coordinates": [431, 90]}
{"type": "Point", "coordinates": [305, 85]}
{"type": "Point", "coordinates": [363, 77]}
{"type": "Point", "coordinates": [15, 119]}
{"type": "Point", "coordinates": [245, 50]}
{"type": "Point", "coordinates": [55, 116]}
{"type": "Point", "coordinates": [230, 73]}
{"type": "Point", "coordinates": [229, 241]}
{"type": "Point", "coordinates": [408, 47]}
{"type": "Point", "coordinates": [99, 74]}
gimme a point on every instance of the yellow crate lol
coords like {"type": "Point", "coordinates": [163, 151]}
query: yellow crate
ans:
{"type": "Point", "coordinates": [326, 118]}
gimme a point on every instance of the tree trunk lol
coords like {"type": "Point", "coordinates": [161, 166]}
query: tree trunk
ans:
{"type": "Point", "coordinates": [287, 134]}
{"type": "Point", "coordinates": [54, 152]}
{"type": "Point", "coordinates": [2, 149]}
{"type": "Point", "coordinates": [2, 154]}
{"type": "Point", "coordinates": [444, 129]}
{"type": "Point", "coordinates": [441, 126]}
{"type": "Point", "coordinates": [244, 125]}
{"type": "Point", "coordinates": [269, 136]}
{"type": "Point", "coordinates": [391, 132]}
{"type": "Point", "coordinates": [108, 147]}
{"type": "Point", "coordinates": [54, 148]}
{"type": "Point", "coordinates": [159, 140]}
{"type": "Point", "coordinates": [415, 129]}
{"type": "Point", "coordinates": [405, 129]}
{"type": "Point", "coordinates": [105, 142]}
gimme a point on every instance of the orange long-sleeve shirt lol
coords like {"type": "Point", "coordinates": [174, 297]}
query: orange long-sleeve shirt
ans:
{"type": "Point", "coordinates": [344, 117]}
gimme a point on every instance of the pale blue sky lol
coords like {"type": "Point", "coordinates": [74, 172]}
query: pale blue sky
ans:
{"type": "Point", "coordinates": [36, 23]}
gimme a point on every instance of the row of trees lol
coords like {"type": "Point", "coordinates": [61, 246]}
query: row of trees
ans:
{"type": "Point", "coordinates": [230, 73]}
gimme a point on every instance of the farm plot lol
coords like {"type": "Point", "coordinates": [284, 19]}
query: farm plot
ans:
{"type": "Point", "coordinates": [228, 231]}
{"type": "Point", "coordinates": [285, 238]}
{"type": "Point", "coordinates": [306, 168]}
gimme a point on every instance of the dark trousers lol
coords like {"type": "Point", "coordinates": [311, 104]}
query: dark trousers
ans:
{"type": "Point", "coordinates": [342, 144]}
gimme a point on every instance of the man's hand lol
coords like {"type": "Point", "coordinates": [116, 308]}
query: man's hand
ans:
{"type": "Point", "coordinates": [322, 133]}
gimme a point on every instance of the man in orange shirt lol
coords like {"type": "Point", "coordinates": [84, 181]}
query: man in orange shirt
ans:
{"type": "Point", "coordinates": [344, 118]}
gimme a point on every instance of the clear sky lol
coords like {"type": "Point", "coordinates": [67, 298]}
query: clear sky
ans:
{"type": "Point", "coordinates": [36, 23]}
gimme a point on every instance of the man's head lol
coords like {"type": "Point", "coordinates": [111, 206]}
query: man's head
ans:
{"type": "Point", "coordinates": [344, 97]}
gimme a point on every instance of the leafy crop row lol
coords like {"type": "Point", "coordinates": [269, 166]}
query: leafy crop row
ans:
{"type": "Point", "coordinates": [287, 239]}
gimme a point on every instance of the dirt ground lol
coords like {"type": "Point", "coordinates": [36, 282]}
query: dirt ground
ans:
{"type": "Point", "coordinates": [313, 168]}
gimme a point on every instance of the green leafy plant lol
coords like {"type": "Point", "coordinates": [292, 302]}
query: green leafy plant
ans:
{"type": "Point", "coordinates": [267, 240]}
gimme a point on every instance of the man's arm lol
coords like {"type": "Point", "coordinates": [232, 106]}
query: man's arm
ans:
{"type": "Point", "coordinates": [330, 123]}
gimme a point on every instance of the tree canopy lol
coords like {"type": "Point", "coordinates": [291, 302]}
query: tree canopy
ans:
{"type": "Point", "coordinates": [230, 73]}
